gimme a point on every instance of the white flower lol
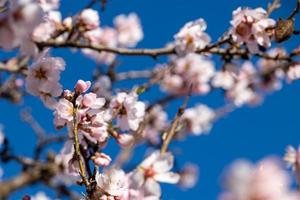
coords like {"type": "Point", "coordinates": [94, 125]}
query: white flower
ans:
{"type": "Point", "coordinates": [191, 37]}
{"type": "Point", "coordinates": [223, 79]}
{"type": "Point", "coordinates": [112, 182]}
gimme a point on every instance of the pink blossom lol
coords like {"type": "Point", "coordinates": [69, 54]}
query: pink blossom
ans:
{"type": "Point", "coordinates": [266, 180]}
{"type": "Point", "coordinates": [129, 29]}
{"type": "Point", "coordinates": [40, 196]}
{"type": "Point", "coordinates": [223, 79]}
{"type": "Point", "coordinates": [191, 37]}
{"type": "Point", "coordinates": [156, 122]}
{"type": "Point", "coordinates": [125, 140]}
{"type": "Point", "coordinates": [190, 72]}
{"type": "Point", "coordinates": [112, 182]}
{"type": "Point", "coordinates": [155, 168]}
{"type": "Point", "coordinates": [293, 72]}
{"type": "Point", "coordinates": [49, 5]}
{"type": "Point", "coordinates": [90, 100]}
{"type": "Point", "coordinates": [189, 176]}
{"type": "Point", "coordinates": [64, 109]}
{"type": "Point", "coordinates": [43, 76]}
{"type": "Point", "coordinates": [106, 37]}
{"type": "Point", "coordinates": [249, 26]}
{"type": "Point", "coordinates": [292, 158]}
{"type": "Point", "coordinates": [198, 119]}
{"type": "Point", "coordinates": [17, 25]}
{"type": "Point", "coordinates": [82, 86]}
{"type": "Point", "coordinates": [101, 159]}
{"type": "Point", "coordinates": [89, 18]}
{"type": "Point", "coordinates": [128, 109]}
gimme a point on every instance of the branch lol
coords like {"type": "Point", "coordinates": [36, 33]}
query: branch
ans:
{"type": "Point", "coordinates": [41, 172]}
{"type": "Point", "coordinates": [168, 136]}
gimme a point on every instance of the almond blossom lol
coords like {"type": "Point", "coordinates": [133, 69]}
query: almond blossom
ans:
{"type": "Point", "coordinates": [101, 159]}
{"type": "Point", "coordinates": [198, 120]}
{"type": "Point", "coordinates": [129, 29]}
{"type": "Point", "coordinates": [89, 19]}
{"type": "Point", "coordinates": [112, 182]}
{"type": "Point", "coordinates": [191, 37]}
{"type": "Point", "coordinates": [189, 176]}
{"type": "Point", "coordinates": [129, 111]}
{"type": "Point", "coordinates": [17, 24]}
{"type": "Point", "coordinates": [43, 76]}
{"type": "Point", "coordinates": [191, 73]}
{"type": "Point", "coordinates": [250, 26]}
{"type": "Point", "coordinates": [292, 158]}
{"type": "Point", "coordinates": [266, 180]}
{"type": "Point", "coordinates": [154, 169]}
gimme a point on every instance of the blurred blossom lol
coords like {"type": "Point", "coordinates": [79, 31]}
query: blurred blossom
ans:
{"type": "Point", "coordinates": [198, 120]}
{"type": "Point", "coordinates": [189, 176]}
{"type": "Point", "coordinates": [191, 37]}
{"type": "Point", "coordinates": [129, 29]}
{"type": "Point", "coordinates": [192, 71]}
{"type": "Point", "coordinates": [265, 180]}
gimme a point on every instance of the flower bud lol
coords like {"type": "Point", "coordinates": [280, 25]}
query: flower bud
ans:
{"type": "Point", "coordinates": [101, 159]}
{"type": "Point", "coordinates": [125, 140]}
{"type": "Point", "coordinates": [82, 86]}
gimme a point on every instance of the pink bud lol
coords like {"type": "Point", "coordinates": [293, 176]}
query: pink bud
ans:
{"type": "Point", "coordinates": [67, 93]}
{"type": "Point", "coordinates": [125, 140]}
{"type": "Point", "coordinates": [82, 86]}
{"type": "Point", "coordinates": [101, 159]}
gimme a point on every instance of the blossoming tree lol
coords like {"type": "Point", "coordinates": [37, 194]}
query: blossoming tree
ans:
{"type": "Point", "coordinates": [94, 113]}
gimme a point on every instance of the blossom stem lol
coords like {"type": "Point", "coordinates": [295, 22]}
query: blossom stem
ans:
{"type": "Point", "coordinates": [77, 148]}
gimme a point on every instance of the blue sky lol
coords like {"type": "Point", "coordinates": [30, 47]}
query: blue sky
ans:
{"type": "Point", "coordinates": [248, 132]}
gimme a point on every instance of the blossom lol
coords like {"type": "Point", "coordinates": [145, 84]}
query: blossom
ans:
{"type": "Point", "coordinates": [125, 140]}
{"type": "Point", "coordinates": [128, 109]}
{"type": "Point", "coordinates": [155, 168]}
{"type": "Point", "coordinates": [112, 182]}
{"type": "Point", "coordinates": [89, 18]}
{"type": "Point", "coordinates": [64, 109]}
{"type": "Point", "coordinates": [292, 158]}
{"type": "Point", "coordinates": [49, 5]}
{"type": "Point", "coordinates": [250, 26]}
{"type": "Point", "coordinates": [191, 37]}
{"type": "Point", "coordinates": [43, 76]}
{"type": "Point", "coordinates": [101, 159]}
{"type": "Point", "coordinates": [105, 36]}
{"type": "Point", "coordinates": [223, 79]}
{"type": "Point", "coordinates": [82, 86]}
{"type": "Point", "coordinates": [189, 176]}
{"type": "Point", "coordinates": [2, 136]}
{"type": "Point", "coordinates": [129, 29]}
{"type": "Point", "coordinates": [198, 119]}
{"type": "Point", "coordinates": [45, 30]}
{"type": "Point", "coordinates": [156, 120]}
{"type": "Point", "coordinates": [293, 72]}
{"type": "Point", "coordinates": [40, 196]}
{"type": "Point", "coordinates": [190, 73]}
{"type": "Point", "coordinates": [266, 180]}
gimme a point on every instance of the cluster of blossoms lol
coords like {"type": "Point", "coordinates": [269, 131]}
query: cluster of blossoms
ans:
{"type": "Point", "coordinates": [141, 183]}
{"type": "Point", "coordinates": [190, 73]}
{"type": "Point", "coordinates": [127, 32]}
{"type": "Point", "coordinates": [20, 19]}
{"type": "Point", "coordinates": [266, 180]}
{"type": "Point", "coordinates": [252, 27]}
